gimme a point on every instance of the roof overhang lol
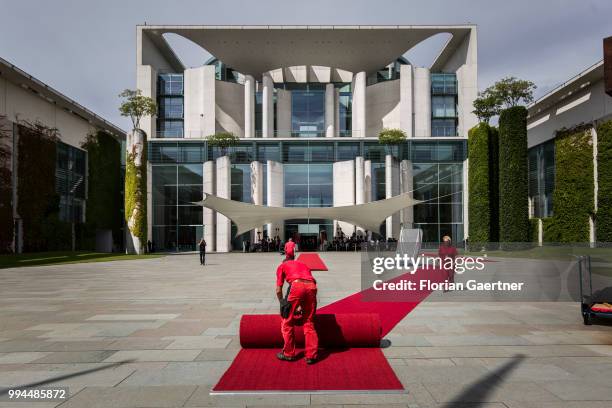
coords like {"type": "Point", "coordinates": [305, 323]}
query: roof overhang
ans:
{"type": "Point", "coordinates": [51, 95]}
{"type": "Point", "coordinates": [250, 216]}
{"type": "Point", "coordinates": [254, 50]}
{"type": "Point", "coordinates": [570, 87]}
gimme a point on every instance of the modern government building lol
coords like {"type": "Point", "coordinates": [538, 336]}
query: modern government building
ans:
{"type": "Point", "coordinates": [307, 103]}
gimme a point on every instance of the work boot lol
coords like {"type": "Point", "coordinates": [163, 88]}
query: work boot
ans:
{"type": "Point", "coordinates": [310, 361]}
{"type": "Point", "coordinates": [282, 356]}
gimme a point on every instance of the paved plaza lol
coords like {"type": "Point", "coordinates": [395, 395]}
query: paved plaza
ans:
{"type": "Point", "coordinates": [160, 332]}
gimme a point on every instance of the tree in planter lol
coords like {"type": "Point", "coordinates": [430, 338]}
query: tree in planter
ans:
{"type": "Point", "coordinates": [511, 92]}
{"type": "Point", "coordinates": [223, 140]}
{"type": "Point", "coordinates": [136, 106]}
{"type": "Point", "coordinates": [486, 106]}
{"type": "Point", "coordinates": [391, 137]}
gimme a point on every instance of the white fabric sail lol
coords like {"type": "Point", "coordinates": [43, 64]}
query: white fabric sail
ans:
{"type": "Point", "coordinates": [248, 216]}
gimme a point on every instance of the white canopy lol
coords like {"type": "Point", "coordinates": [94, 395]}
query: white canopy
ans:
{"type": "Point", "coordinates": [247, 216]}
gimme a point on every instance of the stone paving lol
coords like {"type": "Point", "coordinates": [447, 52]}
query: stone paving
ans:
{"type": "Point", "coordinates": [160, 332]}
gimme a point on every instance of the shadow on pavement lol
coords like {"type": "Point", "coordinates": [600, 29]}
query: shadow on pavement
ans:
{"type": "Point", "coordinates": [476, 394]}
{"type": "Point", "coordinates": [64, 377]}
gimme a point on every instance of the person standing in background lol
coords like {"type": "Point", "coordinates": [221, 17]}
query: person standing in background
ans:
{"type": "Point", "coordinates": [290, 250]}
{"type": "Point", "coordinates": [202, 247]}
{"type": "Point", "coordinates": [448, 251]}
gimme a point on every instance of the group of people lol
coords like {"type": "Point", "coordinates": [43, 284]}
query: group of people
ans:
{"type": "Point", "coordinates": [302, 295]}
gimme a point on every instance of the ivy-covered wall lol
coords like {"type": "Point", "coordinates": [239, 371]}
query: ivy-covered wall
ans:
{"type": "Point", "coordinates": [38, 203]}
{"type": "Point", "coordinates": [604, 170]}
{"type": "Point", "coordinates": [104, 188]}
{"type": "Point", "coordinates": [513, 191]}
{"type": "Point", "coordinates": [483, 185]}
{"type": "Point", "coordinates": [136, 191]}
{"type": "Point", "coordinates": [6, 192]}
{"type": "Point", "coordinates": [573, 198]}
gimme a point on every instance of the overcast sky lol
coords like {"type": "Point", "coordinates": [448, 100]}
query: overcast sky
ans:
{"type": "Point", "coordinates": [86, 49]}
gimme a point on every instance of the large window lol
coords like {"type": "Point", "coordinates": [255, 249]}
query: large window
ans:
{"type": "Point", "coordinates": [443, 105]}
{"type": "Point", "coordinates": [170, 105]}
{"type": "Point", "coordinates": [345, 110]}
{"type": "Point", "coordinates": [308, 185]}
{"type": "Point", "coordinates": [541, 179]}
{"type": "Point", "coordinates": [177, 223]}
{"type": "Point", "coordinates": [307, 109]}
{"type": "Point", "coordinates": [70, 182]}
{"type": "Point", "coordinates": [440, 187]}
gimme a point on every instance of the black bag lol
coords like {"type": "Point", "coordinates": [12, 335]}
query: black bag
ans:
{"type": "Point", "coordinates": [285, 305]}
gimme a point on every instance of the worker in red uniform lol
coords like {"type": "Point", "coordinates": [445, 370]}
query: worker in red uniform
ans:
{"type": "Point", "coordinates": [290, 250]}
{"type": "Point", "coordinates": [303, 297]}
{"type": "Point", "coordinates": [448, 251]}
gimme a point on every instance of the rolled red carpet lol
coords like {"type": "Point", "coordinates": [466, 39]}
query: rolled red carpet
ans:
{"type": "Point", "coordinates": [334, 331]}
{"type": "Point", "coordinates": [350, 358]}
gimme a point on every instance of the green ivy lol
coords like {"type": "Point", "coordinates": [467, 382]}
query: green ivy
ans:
{"type": "Point", "coordinates": [483, 188]}
{"type": "Point", "coordinates": [604, 170]}
{"type": "Point", "coordinates": [104, 188]}
{"type": "Point", "coordinates": [533, 229]}
{"type": "Point", "coordinates": [6, 191]}
{"type": "Point", "coordinates": [136, 194]}
{"type": "Point", "coordinates": [38, 203]}
{"type": "Point", "coordinates": [513, 193]}
{"type": "Point", "coordinates": [573, 195]}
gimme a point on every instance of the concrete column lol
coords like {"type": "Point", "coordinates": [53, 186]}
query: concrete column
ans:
{"type": "Point", "coordinates": [344, 190]}
{"type": "Point", "coordinates": [359, 184]}
{"type": "Point", "coordinates": [337, 112]}
{"type": "Point", "coordinates": [257, 190]}
{"type": "Point", "coordinates": [249, 106]}
{"type": "Point", "coordinates": [283, 113]}
{"type": "Point", "coordinates": [330, 110]}
{"type": "Point", "coordinates": [208, 187]}
{"type": "Point", "coordinates": [359, 104]}
{"type": "Point", "coordinates": [276, 193]}
{"type": "Point", "coordinates": [422, 105]}
{"type": "Point", "coordinates": [146, 81]}
{"type": "Point", "coordinates": [224, 225]}
{"type": "Point", "coordinates": [199, 115]}
{"type": "Point", "coordinates": [392, 188]}
{"type": "Point", "coordinates": [406, 185]}
{"type": "Point", "coordinates": [367, 183]}
{"type": "Point", "coordinates": [267, 119]}
{"type": "Point", "coordinates": [406, 100]}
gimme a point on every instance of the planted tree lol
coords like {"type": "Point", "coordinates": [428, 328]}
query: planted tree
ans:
{"type": "Point", "coordinates": [223, 141]}
{"type": "Point", "coordinates": [391, 136]}
{"type": "Point", "coordinates": [486, 106]}
{"type": "Point", "coordinates": [136, 106]}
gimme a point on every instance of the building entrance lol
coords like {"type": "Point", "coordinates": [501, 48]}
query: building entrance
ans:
{"type": "Point", "coordinates": [309, 234]}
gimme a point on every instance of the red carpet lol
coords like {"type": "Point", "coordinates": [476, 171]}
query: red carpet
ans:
{"type": "Point", "coordinates": [392, 307]}
{"type": "Point", "coordinates": [356, 369]}
{"type": "Point", "coordinates": [313, 261]}
{"type": "Point", "coordinates": [351, 360]}
{"type": "Point", "coordinates": [359, 320]}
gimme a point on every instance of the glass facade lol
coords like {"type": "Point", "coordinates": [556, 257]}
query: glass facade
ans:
{"type": "Point", "coordinates": [308, 185]}
{"type": "Point", "coordinates": [177, 223]}
{"type": "Point", "coordinates": [70, 182]}
{"type": "Point", "coordinates": [307, 109]}
{"type": "Point", "coordinates": [541, 179]}
{"type": "Point", "coordinates": [308, 182]}
{"type": "Point", "coordinates": [345, 110]}
{"type": "Point", "coordinates": [170, 106]}
{"type": "Point", "coordinates": [443, 105]}
{"type": "Point", "coordinates": [440, 186]}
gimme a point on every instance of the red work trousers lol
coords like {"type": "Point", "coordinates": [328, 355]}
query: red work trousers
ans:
{"type": "Point", "coordinates": [303, 295]}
